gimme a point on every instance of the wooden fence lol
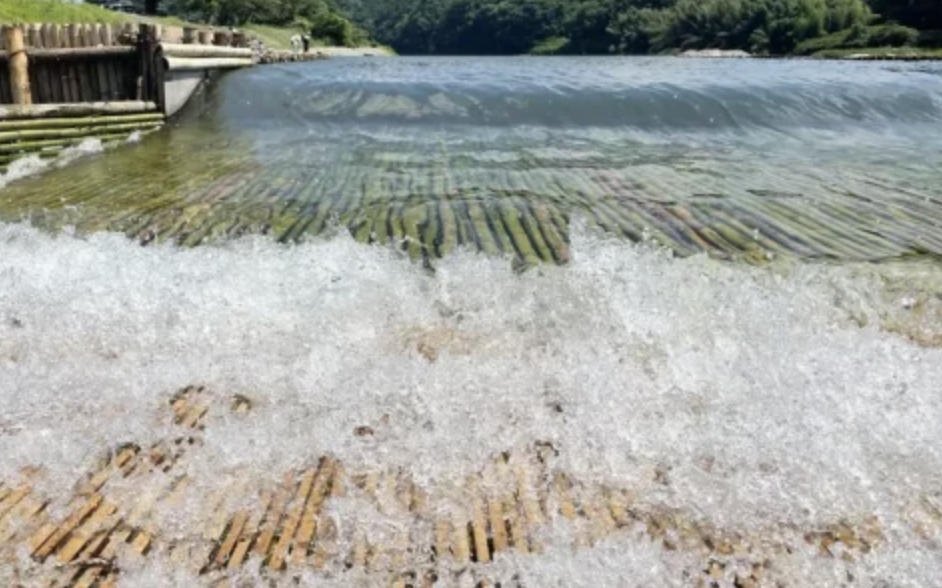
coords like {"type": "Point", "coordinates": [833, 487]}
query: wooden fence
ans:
{"type": "Point", "coordinates": [73, 63]}
{"type": "Point", "coordinates": [62, 84]}
{"type": "Point", "coordinates": [92, 62]}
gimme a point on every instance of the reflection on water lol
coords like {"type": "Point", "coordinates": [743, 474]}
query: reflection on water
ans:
{"type": "Point", "coordinates": [740, 159]}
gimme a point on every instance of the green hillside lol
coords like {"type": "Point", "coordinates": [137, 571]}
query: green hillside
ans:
{"type": "Point", "coordinates": [774, 27]}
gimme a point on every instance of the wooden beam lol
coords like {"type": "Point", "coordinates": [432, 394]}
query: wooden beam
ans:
{"type": "Point", "coordinates": [78, 121]}
{"type": "Point", "coordinates": [77, 53]}
{"type": "Point", "coordinates": [69, 110]}
{"type": "Point", "coordinates": [194, 64]}
{"type": "Point", "coordinates": [177, 50]}
{"type": "Point", "coordinates": [80, 131]}
{"type": "Point", "coordinates": [19, 66]}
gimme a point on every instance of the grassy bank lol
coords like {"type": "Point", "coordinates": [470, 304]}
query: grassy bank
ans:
{"type": "Point", "coordinates": [58, 12]}
{"type": "Point", "coordinates": [275, 37]}
{"type": "Point", "coordinates": [55, 11]}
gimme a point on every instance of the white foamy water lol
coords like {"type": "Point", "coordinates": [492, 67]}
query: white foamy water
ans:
{"type": "Point", "coordinates": [768, 398]}
{"type": "Point", "coordinates": [33, 164]}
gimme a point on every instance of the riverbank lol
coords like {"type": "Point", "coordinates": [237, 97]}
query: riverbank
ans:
{"type": "Point", "coordinates": [873, 54]}
{"type": "Point", "coordinates": [355, 51]}
{"type": "Point", "coordinates": [882, 54]}
{"type": "Point", "coordinates": [56, 12]}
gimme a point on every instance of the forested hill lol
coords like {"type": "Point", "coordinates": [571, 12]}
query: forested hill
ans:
{"type": "Point", "coordinates": [777, 27]}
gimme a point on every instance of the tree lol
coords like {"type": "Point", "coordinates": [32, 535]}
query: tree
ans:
{"type": "Point", "coordinates": [629, 26]}
{"type": "Point", "coordinates": [333, 28]}
{"type": "Point", "coordinates": [921, 14]}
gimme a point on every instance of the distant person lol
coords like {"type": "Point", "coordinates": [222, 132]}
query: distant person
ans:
{"type": "Point", "coordinates": [306, 39]}
{"type": "Point", "coordinates": [296, 44]}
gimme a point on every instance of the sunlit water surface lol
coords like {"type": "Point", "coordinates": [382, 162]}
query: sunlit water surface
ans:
{"type": "Point", "coordinates": [694, 317]}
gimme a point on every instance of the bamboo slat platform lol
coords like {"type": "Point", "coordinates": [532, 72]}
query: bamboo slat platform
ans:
{"type": "Point", "coordinates": [452, 536]}
{"type": "Point", "coordinates": [195, 185]}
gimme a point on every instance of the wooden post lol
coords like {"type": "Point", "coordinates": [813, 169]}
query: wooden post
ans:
{"type": "Point", "coordinates": [94, 35]}
{"type": "Point", "coordinates": [75, 35]}
{"type": "Point", "coordinates": [84, 70]}
{"type": "Point", "coordinates": [58, 73]}
{"type": "Point", "coordinates": [107, 35]}
{"type": "Point", "coordinates": [50, 71]}
{"type": "Point", "coordinates": [223, 38]}
{"type": "Point", "coordinates": [98, 67]}
{"type": "Point", "coordinates": [108, 39]}
{"type": "Point", "coordinates": [146, 47]}
{"type": "Point", "coordinates": [35, 36]}
{"type": "Point", "coordinates": [37, 75]}
{"type": "Point", "coordinates": [19, 65]}
{"type": "Point", "coordinates": [46, 34]}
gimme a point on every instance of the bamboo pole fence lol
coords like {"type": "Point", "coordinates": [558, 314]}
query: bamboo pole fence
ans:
{"type": "Point", "coordinates": [62, 84]}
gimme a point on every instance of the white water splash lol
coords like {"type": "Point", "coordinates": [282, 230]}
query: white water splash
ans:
{"type": "Point", "coordinates": [22, 168]}
{"type": "Point", "coordinates": [33, 164]}
{"type": "Point", "coordinates": [756, 390]}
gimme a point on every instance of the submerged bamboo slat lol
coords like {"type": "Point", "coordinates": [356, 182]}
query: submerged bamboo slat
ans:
{"type": "Point", "coordinates": [70, 132]}
{"type": "Point", "coordinates": [53, 147]}
{"type": "Point", "coordinates": [53, 140]}
{"type": "Point", "coordinates": [514, 223]}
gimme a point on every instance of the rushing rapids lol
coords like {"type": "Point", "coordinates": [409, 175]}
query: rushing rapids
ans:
{"type": "Point", "coordinates": [299, 401]}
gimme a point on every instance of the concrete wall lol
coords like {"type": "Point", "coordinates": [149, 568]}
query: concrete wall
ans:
{"type": "Point", "coordinates": [177, 88]}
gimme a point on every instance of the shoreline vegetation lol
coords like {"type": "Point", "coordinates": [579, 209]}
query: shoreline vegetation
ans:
{"type": "Point", "coordinates": [823, 29]}
{"type": "Point", "coordinates": [274, 36]}
{"type": "Point", "coordinates": [761, 28]}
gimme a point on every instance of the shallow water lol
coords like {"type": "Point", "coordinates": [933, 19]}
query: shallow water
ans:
{"type": "Point", "coordinates": [757, 158]}
{"type": "Point", "coordinates": [763, 402]}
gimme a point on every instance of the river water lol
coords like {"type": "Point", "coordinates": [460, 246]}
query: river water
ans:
{"type": "Point", "coordinates": [714, 284]}
{"type": "Point", "coordinates": [824, 160]}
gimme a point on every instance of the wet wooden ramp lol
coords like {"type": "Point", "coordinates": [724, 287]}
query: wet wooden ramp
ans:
{"type": "Point", "coordinates": [287, 531]}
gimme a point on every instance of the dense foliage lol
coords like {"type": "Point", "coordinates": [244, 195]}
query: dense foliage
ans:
{"type": "Point", "coordinates": [639, 26]}
{"type": "Point", "coordinates": [503, 27]}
